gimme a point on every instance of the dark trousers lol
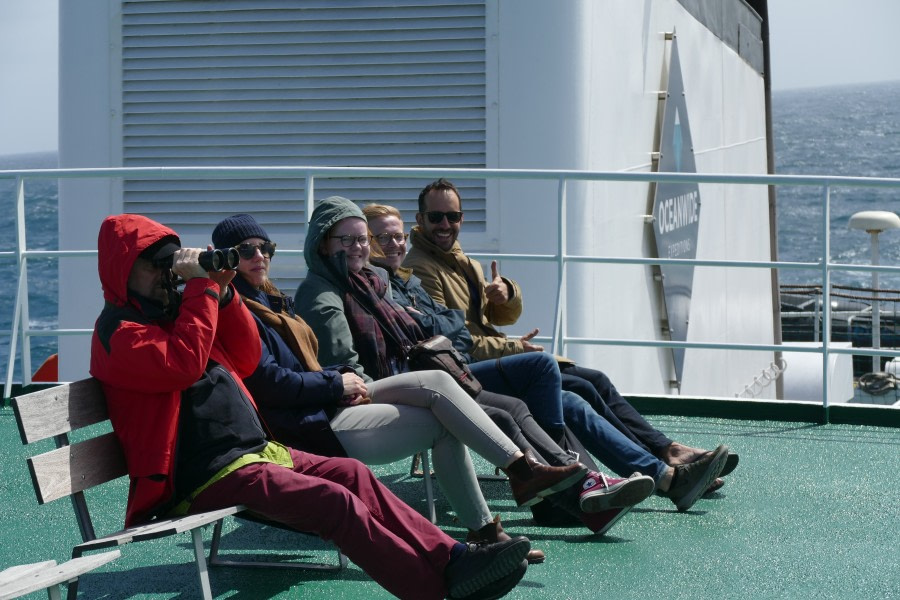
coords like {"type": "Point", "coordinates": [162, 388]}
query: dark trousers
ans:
{"type": "Point", "coordinates": [514, 419]}
{"type": "Point", "coordinates": [340, 500]}
{"type": "Point", "coordinates": [596, 388]}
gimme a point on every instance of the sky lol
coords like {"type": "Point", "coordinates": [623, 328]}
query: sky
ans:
{"type": "Point", "coordinates": [817, 43]}
{"type": "Point", "coordinates": [29, 73]}
{"type": "Point", "coordinates": [814, 43]}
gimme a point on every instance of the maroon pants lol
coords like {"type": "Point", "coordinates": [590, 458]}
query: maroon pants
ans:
{"type": "Point", "coordinates": [340, 500]}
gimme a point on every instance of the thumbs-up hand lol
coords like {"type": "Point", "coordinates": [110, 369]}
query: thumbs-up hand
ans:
{"type": "Point", "coordinates": [497, 291]}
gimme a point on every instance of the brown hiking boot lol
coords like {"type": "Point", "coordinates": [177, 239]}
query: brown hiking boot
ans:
{"type": "Point", "coordinates": [530, 480]}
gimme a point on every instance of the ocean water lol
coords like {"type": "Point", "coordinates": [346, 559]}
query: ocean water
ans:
{"type": "Point", "coordinates": [847, 130]}
{"type": "Point", "coordinates": [41, 234]}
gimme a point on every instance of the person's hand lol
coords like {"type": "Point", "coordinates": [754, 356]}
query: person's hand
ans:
{"type": "Point", "coordinates": [412, 310]}
{"type": "Point", "coordinates": [353, 400]}
{"type": "Point", "coordinates": [223, 277]}
{"type": "Point", "coordinates": [526, 342]}
{"type": "Point", "coordinates": [353, 385]}
{"type": "Point", "coordinates": [497, 291]}
{"type": "Point", "coordinates": [185, 263]}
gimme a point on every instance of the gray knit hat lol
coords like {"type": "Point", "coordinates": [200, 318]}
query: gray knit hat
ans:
{"type": "Point", "coordinates": [235, 229]}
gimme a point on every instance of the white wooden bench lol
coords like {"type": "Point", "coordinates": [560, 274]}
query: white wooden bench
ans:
{"type": "Point", "coordinates": [74, 467]}
{"type": "Point", "coordinates": [47, 575]}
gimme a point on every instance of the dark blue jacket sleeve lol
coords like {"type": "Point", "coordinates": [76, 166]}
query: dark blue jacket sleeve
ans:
{"type": "Point", "coordinates": [279, 380]}
{"type": "Point", "coordinates": [433, 318]}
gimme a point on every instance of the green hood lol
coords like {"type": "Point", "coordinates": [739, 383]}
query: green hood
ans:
{"type": "Point", "coordinates": [328, 212]}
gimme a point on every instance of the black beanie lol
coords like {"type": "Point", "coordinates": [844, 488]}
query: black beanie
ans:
{"type": "Point", "coordinates": [235, 229]}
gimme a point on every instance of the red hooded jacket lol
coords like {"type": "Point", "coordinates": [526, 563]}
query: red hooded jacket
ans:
{"type": "Point", "coordinates": [144, 365]}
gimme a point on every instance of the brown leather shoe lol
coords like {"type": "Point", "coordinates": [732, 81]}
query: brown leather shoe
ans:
{"type": "Point", "coordinates": [541, 480]}
{"type": "Point", "coordinates": [493, 533]}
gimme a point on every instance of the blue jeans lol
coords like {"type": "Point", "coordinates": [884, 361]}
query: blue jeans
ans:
{"type": "Point", "coordinates": [532, 377]}
{"type": "Point", "coordinates": [603, 440]}
{"type": "Point", "coordinates": [595, 387]}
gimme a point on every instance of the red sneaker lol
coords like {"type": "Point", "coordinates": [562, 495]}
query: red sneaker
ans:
{"type": "Point", "coordinates": [601, 492]}
{"type": "Point", "coordinates": [601, 522]}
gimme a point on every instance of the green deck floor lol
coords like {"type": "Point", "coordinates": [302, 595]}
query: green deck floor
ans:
{"type": "Point", "coordinates": [813, 511]}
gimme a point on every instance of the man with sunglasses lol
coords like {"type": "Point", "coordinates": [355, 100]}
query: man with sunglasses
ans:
{"type": "Point", "coordinates": [456, 281]}
{"type": "Point", "coordinates": [453, 279]}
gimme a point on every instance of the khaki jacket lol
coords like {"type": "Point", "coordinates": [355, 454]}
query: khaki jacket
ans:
{"type": "Point", "coordinates": [446, 276]}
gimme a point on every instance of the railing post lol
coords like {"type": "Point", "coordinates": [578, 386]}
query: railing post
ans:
{"type": "Point", "coordinates": [310, 196]}
{"type": "Point", "coordinates": [876, 304]}
{"type": "Point", "coordinates": [20, 307]}
{"type": "Point", "coordinates": [826, 299]}
{"type": "Point", "coordinates": [816, 315]}
{"type": "Point", "coordinates": [25, 319]}
{"type": "Point", "coordinates": [559, 318]}
{"type": "Point", "coordinates": [14, 331]}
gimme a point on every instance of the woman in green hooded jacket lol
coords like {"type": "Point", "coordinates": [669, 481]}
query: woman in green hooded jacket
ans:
{"type": "Point", "coordinates": [329, 299]}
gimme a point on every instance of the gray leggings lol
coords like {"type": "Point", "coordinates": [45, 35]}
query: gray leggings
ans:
{"type": "Point", "coordinates": [412, 412]}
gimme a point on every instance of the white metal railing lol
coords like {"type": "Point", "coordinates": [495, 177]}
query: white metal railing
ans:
{"type": "Point", "coordinates": [560, 339]}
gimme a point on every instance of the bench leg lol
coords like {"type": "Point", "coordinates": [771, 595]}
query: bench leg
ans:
{"type": "Point", "coordinates": [214, 544]}
{"type": "Point", "coordinates": [200, 560]}
{"type": "Point", "coordinates": [72, 588]}
{"type": "Point", "coordinates": [429, 489]}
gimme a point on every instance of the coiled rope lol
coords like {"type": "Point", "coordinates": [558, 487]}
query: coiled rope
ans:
{"type": "Point", "coordinates": [877, 383]}
{"type": "Point", "coordinates": [763, 380]}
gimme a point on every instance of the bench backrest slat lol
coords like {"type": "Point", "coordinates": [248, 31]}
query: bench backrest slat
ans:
{"type": "Point", "coordinates": [70, 469]}
{"type": "Point", "coordinates": [59, 410]}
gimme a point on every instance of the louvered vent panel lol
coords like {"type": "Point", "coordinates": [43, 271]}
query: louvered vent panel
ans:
{"type": "Point", "coordinates": [267, 82]}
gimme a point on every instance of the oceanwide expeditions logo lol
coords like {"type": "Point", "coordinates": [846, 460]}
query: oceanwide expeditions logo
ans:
{"type": "Point", "coordinates": [676, 210]}
{"type": "Point", "coordinates": [675, 213]}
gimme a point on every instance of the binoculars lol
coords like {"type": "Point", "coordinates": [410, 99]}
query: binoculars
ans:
{"type": "Point", "coordinates": [220, 259]}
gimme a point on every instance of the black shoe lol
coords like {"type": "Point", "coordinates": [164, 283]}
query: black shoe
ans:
{"type": "Point", "coordinates": [549, 514]}
{"type": "Point", "coordinates": [485, 564]}
{"type": "Point", "coordinates": [692, 479]}
{"type": "Point", "coordinates": [501, 587]}
{"type": "Point", "coordinates": [493, 533]}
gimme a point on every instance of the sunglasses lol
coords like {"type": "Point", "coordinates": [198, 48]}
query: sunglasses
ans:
{"type": "Point", "coordinates": [436, 216]}
{"type": "Point", "coordinates": [385, 238]}
{"type": "Point", "coordinates": [247, 251]}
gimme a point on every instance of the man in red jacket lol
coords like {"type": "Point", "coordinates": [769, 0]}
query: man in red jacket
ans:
{"type": "Point", "coordinates": [171, 364]}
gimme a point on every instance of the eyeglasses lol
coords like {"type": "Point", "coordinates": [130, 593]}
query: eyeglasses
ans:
{"type": "Point", "coordinates": [385, 238]}
{"type": "Point", "coordinates": [247, 251]}
{"type": "Point", "coordinates": [347, 240]}
{"type": "Point", "coordinates": [436, 216]}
